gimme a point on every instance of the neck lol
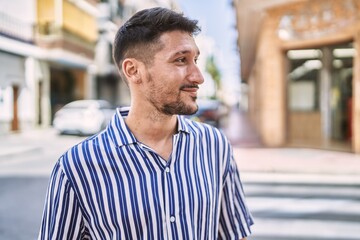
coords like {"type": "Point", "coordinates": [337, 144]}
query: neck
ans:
{"type": "Point", "coordinates": [152, 128]}
{"type": "Point", "coordinates": [149, 125]}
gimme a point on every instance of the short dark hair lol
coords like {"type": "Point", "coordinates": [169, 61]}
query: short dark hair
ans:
{"type": "Point", "coordinates": [137, 38]}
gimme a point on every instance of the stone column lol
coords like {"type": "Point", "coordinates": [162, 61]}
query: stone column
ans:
{"type": "Point", "coordinates": [91, 85]}
{"type": "Point", "coordinates": [45, 94]}
{"type": "Point", "coordinates": [271, 77]}
{"type": "Point", "coordinates": [325, 91]}
{"type": "Point", "coordinates": [31, 109]}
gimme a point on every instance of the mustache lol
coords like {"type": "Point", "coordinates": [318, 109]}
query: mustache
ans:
{"type": "Point", "coordinates": [189, 86]}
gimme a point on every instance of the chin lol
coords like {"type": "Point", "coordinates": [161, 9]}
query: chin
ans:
{"type": "Point", "coordinates": [188, 107]}
{"type": "Point", "coordinates": [196, 108]}
{"type": "Point", "coordinates": [192, 110]}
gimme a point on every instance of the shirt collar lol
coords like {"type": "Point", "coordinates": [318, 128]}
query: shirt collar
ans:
{"type": "Point", "coordinates": [183, 125]}
{"type": "Point", "coordinates": [121, 135]}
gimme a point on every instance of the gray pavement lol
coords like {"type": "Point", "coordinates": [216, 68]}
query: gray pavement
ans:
{"type": "Point", "coordinates": [32, 152]}
{"type": "Point", "coordinates": [258, 163]}
{"type": "Point", "coordinates": [34, 141]}
{"type": "Point", "coordinates": [298, 165]}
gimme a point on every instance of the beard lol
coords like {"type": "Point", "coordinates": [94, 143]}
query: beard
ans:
{"type": "Point", "coordinates": [178, 107]}
{"type": "Point", "coordinates": [175, 107]}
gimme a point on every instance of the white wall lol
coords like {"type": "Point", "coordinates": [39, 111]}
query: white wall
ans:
{"type": "Point", "coordinates": [17, 18]}
{"type": "Point", "coordinates": [302, 96]}
{"type": "Point", "coordinates": [16, 8]}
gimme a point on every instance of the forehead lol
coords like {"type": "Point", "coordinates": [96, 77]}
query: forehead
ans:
{"type": "Point", "coordinates": [175, 42]}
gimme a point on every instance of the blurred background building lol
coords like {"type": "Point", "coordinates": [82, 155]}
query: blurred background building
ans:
{"type": "Point", "coordinates": [46, 48]}
{"type": "Point", "coordinates": [300, 60]}
{"type": "Point", "coordinates": [53, 52]}
{"type": "Point", "coordinates": [299, 64]}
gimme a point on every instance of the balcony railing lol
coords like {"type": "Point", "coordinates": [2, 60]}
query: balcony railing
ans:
{"type": "Point", "coordinates": [15, 28]}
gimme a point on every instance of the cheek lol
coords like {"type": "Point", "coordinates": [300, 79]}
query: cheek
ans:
{"type": "Point", "coordinates": [167, 82]}
{"type": "Point", "coordinates": [169, 90]}
{"type": "Point", "coordinates": [160, 88]}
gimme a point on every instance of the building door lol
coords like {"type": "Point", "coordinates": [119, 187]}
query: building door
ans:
{"type": "Point", "coordinates": [15, 120]}
{"type": "Point", "coordinates": [304, 118]}
{"type": "Point", "coordinates": [341, 93]}
{"type": "Point", "coordinates": [320, 97]}
{"type": "Point", "coordinates": [66, 85]}
{"type": "Point", "coordinates": [39, 102]}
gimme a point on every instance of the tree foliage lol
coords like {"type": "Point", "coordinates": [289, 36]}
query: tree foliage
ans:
{"type": "Point", "coordinates": [214, 71]}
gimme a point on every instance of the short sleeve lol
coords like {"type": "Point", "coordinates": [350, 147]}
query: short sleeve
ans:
{"type": "Point", "coordinates": [62, 218]}
{"type": "Point", "coordinates": [235, 218]}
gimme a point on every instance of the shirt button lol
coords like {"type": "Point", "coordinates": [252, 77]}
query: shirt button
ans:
{"type": "Point", "coordinates": [172, 219]}
{"type": "Point", "coordinates": [167, 170]}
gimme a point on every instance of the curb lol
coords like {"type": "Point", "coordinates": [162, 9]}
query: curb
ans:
{"type": "Point", "coordinates": [11, 153]}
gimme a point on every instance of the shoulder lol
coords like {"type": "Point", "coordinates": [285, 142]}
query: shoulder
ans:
{"type": "Point", "coordinates": [82, 153]}
{"type": "Point", "coordinates": [209, 137]}
{"type": "Point", "coordinates": [202, 130]}
{"type": "Point", "coordinates": [212, 143]}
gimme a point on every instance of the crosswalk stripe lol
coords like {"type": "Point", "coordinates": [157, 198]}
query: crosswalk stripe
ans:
{"type": "Point", "coordinates": [298, 211]}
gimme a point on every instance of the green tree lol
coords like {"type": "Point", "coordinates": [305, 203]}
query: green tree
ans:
{"type": "Point", "coordinates": [214, 72]}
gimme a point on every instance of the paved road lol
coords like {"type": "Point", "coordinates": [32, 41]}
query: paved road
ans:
{"type": "Point", "coordinates": [26, 161]}
{"type": "Point", "coordinates": [21, 203]}
{"type": "Point", "coordinates": [304, 211]}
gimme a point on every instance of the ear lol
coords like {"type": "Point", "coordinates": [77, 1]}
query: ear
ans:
{"type": "Point", "coordinates": [130, 68]}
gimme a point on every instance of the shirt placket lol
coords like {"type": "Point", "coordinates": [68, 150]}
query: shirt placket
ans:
{"type": "Point", "coordinates": [170, 201]}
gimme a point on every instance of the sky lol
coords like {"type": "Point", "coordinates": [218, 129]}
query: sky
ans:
{"type": "Point", "coordinates": [217, 20]}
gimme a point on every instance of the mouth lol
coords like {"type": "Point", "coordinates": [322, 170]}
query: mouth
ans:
{"type": "Point", "coordinates": [190, 89]}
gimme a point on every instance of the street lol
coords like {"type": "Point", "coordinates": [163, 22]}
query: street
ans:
{"type": "Point", "coordinates": [26, 161]}
{"type": "Point", "coordinates": [285, 206]}
{"type": "Point", "coordinates": [303, 211]}
{"type": "Point", "coordinates": [21, 202]}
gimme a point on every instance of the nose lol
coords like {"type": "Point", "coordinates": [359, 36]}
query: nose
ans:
{"type": "Point", "coordinates": [195, 75]}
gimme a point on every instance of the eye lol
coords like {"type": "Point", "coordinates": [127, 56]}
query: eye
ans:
{"type": "Point", "coordinates": [196, 60]}
{"type": "Point", "coordinates": [180, 60]}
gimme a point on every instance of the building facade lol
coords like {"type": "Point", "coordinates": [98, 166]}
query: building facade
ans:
{"type": "Point", "coordinates": [67, 32]}
{"type": "Point", "coordinates": [300, 60]}
{"type": "Point", "coordinates": [56, 51]}
{"type": "Point", "coordinates": [46, 48]}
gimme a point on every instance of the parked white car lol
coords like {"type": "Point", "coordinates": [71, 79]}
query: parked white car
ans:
{"type": "Point", "coordinates": [83, 117]}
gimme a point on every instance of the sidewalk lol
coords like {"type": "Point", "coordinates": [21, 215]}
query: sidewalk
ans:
{"type": "Point", "coordinates": [298, 165]}
{"type": "Point", "coordinates": [264, 164]}
{"type": "Point", "coordinates": [19, 143]}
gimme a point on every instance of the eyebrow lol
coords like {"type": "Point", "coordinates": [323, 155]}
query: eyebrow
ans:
{"type": "Point", "coordinates": [185, 52]}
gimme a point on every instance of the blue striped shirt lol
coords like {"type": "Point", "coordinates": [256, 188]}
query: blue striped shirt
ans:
{"type": "Point", "coordinates": [111, 186]}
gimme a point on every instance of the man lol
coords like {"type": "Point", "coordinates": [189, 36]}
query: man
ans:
{"type": "Point", "coordinates": [152, 174]}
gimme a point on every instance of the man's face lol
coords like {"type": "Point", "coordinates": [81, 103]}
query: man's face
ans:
{"type": "Point", "coordinates": [172, 77]}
